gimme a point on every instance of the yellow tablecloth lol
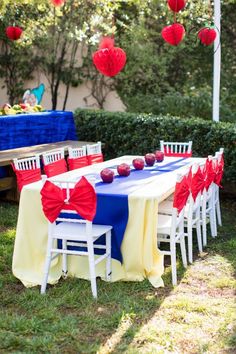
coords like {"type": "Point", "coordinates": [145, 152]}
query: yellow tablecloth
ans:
{"type": "Point", "coordinates": [141, 258]}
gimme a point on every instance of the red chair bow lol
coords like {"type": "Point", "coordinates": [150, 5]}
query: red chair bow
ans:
{"type": "Point", "coordinates": [197, 183]}
{"type": "Point", "coordinates": [55, 168]}
{"type": "Point", "coordinates": [181, 194]}
{"type": "Point", "coordinates": [219, 170]}
{"type": "Point", "coordinates": [82, 199]}
{"type": "Point", "coordinates": [77, 162]}
{"type": "Point", "coordinates": [95, 158]}
{"type": "Point", "coordinates": [25, 177]}
{"type": "Point", "coordinates": [210, 173]}
{"type": "Point", "coordinates": [168, 152]}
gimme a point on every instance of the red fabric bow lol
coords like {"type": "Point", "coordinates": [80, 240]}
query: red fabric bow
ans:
{"type": "Point", "coordinates": [109, 60]}
{"type": "Point", "coordinates": [13, 32]}
{"type": "Point", "coordinates": [25, 177]}
{"type": "Point", "coordinates": [95, 158]}
{"type": "Point", "coordinates": [77, 162]}
{"type": "Point", "coordinates": [219, 171]}
{"type": "Point", "coordinates": [197, 183]}
{"type": "Point", "coordinates": [82, 199]}
{"type": "Point", "coordinates": [55, 168]}
{"type": "Point", "coordinates": [176, 5]}
{"type": "Point", "coordinates": [173, 34]}
{"type": "Point", "coordinates": [207, 35]}
{"type": "Point", "coordinates": [181, 194]}
{"type": "Point", "coordinates": [210, 173]}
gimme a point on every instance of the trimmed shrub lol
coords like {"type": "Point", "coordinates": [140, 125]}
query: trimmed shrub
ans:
{"type": "Point", "coordinates": [136, 134]}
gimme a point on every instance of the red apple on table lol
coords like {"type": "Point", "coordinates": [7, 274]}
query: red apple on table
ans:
{"type": "Point", "coordinates": [138, 163]}
{"type": "Point", "coordinates": [159, 155]}
{"type": "Point", "coordinates": [123, 169]}
{"type": "Point", "coordinates": [150, 159]}
{"type": "Point", "coordinates": [107, 175]}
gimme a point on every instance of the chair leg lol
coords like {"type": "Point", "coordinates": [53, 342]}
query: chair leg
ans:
{"type": "Point", "coordinates": [199, 235]}
{"type": "Point", "coordinates": [47, 265]}
{"type": "Point", "coordinates": [64, 258]}
{"type": "Point", "coordinates": [183, 251]}
{"type": "Point", "coordinates": [218, 212]}
{"type": "Point", "coordinates": [173, 262]}
{"type": "Point", "coordinates": [92, 268]}
{"type": "Point", "coordinates": [190, 241]}
{"type": "Point", "coordinates": [108, 260]}
{"type": "Point", "coordinates": [204, 224]}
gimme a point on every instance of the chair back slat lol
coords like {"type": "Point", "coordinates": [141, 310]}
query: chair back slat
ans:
{"type": "Point", "coordinates": [94, 148]}
{"type": "Point", "coordinates": [53, 156]}
{"type": "Point", "coordinates": [176, 148]}
{"type": "Point", "coordinates": [77, 152]}
{"type": "Point", "coordinates": [30, 163]}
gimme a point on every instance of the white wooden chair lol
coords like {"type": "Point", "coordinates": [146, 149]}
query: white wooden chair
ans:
{"type": "Point", "coordinates": [53, 156]}
{"type": "Point", "coordinates": [77, 152]}
{"type": "Point", "coordinates": [29, 163]}
{"type": "Point", "coordinates": [94, 153]}
{"type": "Point", "coordinates": [27, 170]}
{"type": "Point", "coordinates": [176, 148]}
{"type": "Point", "coordinates": [170, 230]}
{"type": "Point", "coordinates": [54, 162]}
{"type": "Point", "coordinates": [72, 231]}
{"type": "Point", "coordinates": [94, 148]}
{"type": "Point", "coordinates": [208, 212]}
{"type": "Point", "coordinates": [192, 214]}
{"type": "Point", "coordinates": [219, 157]}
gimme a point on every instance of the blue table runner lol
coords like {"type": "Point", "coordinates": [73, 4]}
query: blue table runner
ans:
{"type": "Point", "coordinates": [112, 201]}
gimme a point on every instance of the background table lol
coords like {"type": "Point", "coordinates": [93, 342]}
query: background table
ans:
{"type": "Point", "coordinates": [141, 257]}
{"type": "Point", "coordinates": [38, 128]}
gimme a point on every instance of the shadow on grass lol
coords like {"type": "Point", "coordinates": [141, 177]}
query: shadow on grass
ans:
{"type": "Point", "coordinates": [68, 320]}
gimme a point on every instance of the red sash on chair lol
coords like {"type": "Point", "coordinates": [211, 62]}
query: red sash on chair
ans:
{"type": "Point", "coordinates": [181, 194]}
{"type": "Point", "coordinates": [55, 168]}
{"type": "Point", "coordinates": [167, 152]}
{"type": "Point", "coordinates": [82, 200]}
{"type": "Point", "coordinates": [25, 177]}
{"type": "Point", "coordinates": [95, 158]}
{"type": "Point", "coordinates": [77, 162]}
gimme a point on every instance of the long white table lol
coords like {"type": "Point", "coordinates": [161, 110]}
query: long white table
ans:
{"type": "Point", "coordinates": [141, 257]}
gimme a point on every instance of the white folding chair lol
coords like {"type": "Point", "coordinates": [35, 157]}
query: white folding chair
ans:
{"type": "Point", "coordinates": [53, 156]}
{"type": "Point", "coordinates": [94, 148]}
{"type": "Point", "coordinates": [29, 163]}
{"type": "Point", "coordinates": [74, 153]}
{"type": "Point", "coordinates": [208, 212]}
{"type": "Point", "coordinates": [176, 148]}
{"type": "Point", "coordinates": [219, 156]}
{"type": "Point", "coordinates": [170, 230]}
{"type": "Point", "coordinates": [72, 231]}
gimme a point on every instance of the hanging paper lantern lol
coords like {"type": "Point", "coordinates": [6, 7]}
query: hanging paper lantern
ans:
{"type": "Point", "coordinates": [176, 5]}
{"type": "Point", "coordinates": [109, 60]}
{"type": "Point", "coordinates": [13, 32]}
{"type": "Point", "coordinates": [173, 34]}
{"type": "Point", "coordinates": [207, 35]}
{"type": "Point", "coordinates": [57, 2]}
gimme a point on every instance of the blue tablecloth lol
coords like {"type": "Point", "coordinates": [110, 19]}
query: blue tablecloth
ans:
{"type": "Point", "coordinates": [37, 128]}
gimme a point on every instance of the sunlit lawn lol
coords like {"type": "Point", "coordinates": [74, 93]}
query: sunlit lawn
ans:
{"type": "Point", "coordinates": [195, 317]}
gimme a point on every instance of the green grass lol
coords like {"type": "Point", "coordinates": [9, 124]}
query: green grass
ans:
{"type": "Point", "coordinates": [197, 316]}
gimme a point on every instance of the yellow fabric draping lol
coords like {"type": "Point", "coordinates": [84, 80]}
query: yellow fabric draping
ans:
{"type": "Point", "coordinates": [141, 257]}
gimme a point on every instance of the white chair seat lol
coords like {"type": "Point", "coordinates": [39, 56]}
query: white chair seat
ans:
{"type": "Point", "coordinates": [75, 231]}
{"type": "Point", "coordinates": [164, 224]}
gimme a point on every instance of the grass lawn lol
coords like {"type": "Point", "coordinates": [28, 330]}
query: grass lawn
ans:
{"type": "Point", "coordinates": [197, 316]}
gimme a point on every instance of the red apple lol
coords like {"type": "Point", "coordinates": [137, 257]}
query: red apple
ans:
{"type": "Point", "coordinates": [150, 159]}
{"type": "Point", "coordinates": [138, 163]}
{"type": "Point", "coordinates": [123, 169]}
{"type": "Point", "coordinates": [159, 156]}
{"type": "Point", "coordinates": [107, 175]}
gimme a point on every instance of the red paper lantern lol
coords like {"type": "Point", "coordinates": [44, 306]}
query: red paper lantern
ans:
{"type": "Point", "coordinates": [176, 5]}
{"type": "Point", "coordinates": [109, 60]}
{"type": "Point", "coordinates": [13, 32]}
{"type": "Point", "coordinates": [57, 2]}
{"type": "Point", "coordinates": [173, 34]}
{"type": "Point", "coordinates": [207, 35]}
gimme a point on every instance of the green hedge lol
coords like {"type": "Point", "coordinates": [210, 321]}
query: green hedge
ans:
{"type": "Point", "coordinates": [136, 134]}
